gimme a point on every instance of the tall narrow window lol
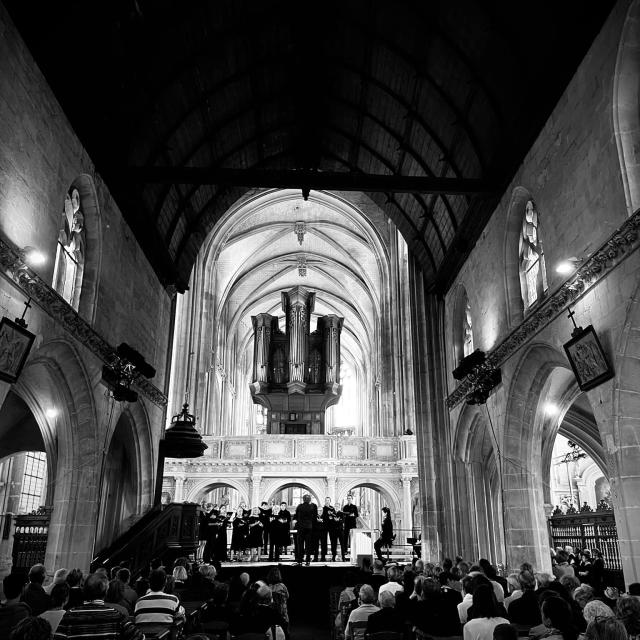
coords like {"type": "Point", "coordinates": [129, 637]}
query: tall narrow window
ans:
{"type": "Point", "coordinates": [35, 469]}
{"type": "Point", "coordinates": [467, 331]}
{"type": "Point", "coordinates": [533, 275]}
{"type": "Point", "coordinates": [67, 275]}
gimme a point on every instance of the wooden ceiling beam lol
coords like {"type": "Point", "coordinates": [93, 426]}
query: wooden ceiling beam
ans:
{"type": "Point", "coordinates": [305, 179]}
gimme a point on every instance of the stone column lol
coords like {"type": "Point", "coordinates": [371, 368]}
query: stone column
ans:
{"type": "Point", "coordinates": [178, 491]}
{"type": "Point", "coordinates": [331, 488]}
{"type": "Point", "coordinates": [262, 341]}
{"type": "Point", "coordinates": [406, 505]}
{"type": "Point", "coordinates": [256, 482]}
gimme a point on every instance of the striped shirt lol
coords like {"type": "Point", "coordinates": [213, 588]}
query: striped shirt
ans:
{"type": "Point", "coordinates": [96, 620]}
{"type": "Point", "coordinates": [157, 607]}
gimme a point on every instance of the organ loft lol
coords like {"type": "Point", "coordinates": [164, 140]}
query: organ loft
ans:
{"type": "Point", "coordinates": [296, 372]}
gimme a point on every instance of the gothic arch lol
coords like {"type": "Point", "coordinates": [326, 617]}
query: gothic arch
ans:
{"type": "Point", "coordinates": [626, 111]}
{"type": "Point", "coordinates": [385, 488]}
{"type": "Point", "coordinates": [55, 375]}
{"type": "Point", "coordinates": [198, 490]}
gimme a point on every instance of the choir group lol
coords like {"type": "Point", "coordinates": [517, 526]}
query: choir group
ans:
{"type": "Point", "coordinates": [268, 529]}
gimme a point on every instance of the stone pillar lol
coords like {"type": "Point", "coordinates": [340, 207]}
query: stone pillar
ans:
{"type": "Point", "coordinates": [261, 343]}
{"type": "Point", "coordinates": [332, 326]}
{"type": "Point", "coordinates": [331, 488]}
{"type": "Point", "coordinates": [406, 505]}
{"type": "Point", "coordinates": [256, 482]}
{"type": "Point", "coordinates": [298, 303]}
{"type": "Point", "coordinates": [178, 491]}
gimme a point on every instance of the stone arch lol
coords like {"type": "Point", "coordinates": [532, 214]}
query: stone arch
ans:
{"type": "Point", "coordinates": [55, 374]}
{"type": "Point", "coordinates": [384, 487]}
{"type": "Point", "coordinates": [204, 486]}
{"type": "Point", "coordinates": [626, 111]}
{"type": "Point", "coordinates": [525, 427]}
{"type": "Point", "coordinates": [316, 487]}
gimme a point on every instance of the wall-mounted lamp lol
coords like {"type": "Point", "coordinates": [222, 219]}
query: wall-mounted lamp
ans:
{"type": "Point", "coordinates": [568, 266]}
{"type": "Point", "coordinates": [33, 257]}
{"type": "Point", "coordinates": [51, 413]}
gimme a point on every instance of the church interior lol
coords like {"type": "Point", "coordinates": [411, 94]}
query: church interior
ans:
{"type": "Point", "coordinates": [378, 251]}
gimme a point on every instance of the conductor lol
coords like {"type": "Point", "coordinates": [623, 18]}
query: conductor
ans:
{"type": "Point", "coordinates": [305, 517]}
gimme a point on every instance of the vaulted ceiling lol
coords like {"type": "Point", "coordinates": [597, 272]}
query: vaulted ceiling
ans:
{"type": "Point", "coordinates": [428, 106]}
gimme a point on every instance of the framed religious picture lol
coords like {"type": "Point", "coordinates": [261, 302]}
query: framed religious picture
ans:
{"type": "Point", "coordinates": [587, 359]}
{"type": "Point", "coordinates": [15, 343]}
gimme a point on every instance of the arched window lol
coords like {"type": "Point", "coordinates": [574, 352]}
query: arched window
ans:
{"type": "Point", "coordinates": [467, 331]}
{"type": "Point", "coordinates": [533, 275]}
{"type": "Point", "coordinates": [70, 256]}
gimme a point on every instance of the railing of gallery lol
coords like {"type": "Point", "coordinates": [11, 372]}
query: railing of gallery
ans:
{"type": "Point", "coordinates": [30, 539]}
{"type": "Point", "coordinates": [592, 530]}
{"type": "Point", "coordinates": [310, 447]}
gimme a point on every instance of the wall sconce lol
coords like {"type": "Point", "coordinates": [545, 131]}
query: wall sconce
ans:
{"type": "Point", "coordinates": [33, 257]}
{"type": "Point", "coordinates": [568, 266]}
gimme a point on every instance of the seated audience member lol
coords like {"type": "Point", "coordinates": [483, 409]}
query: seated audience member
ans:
{"type": "Point", "coordinates": [59, 598]}
{"type": "Point", "coordinates": [628, 612]}
{"type": "Point", "coordinates": [141, 585]}
{"type": "Point", "coordinates": [355, 627]}
{"type": "Point", "coordinates": [59, 576]}
{"type": "Point", "coordinates": [387, 618]}
{"type": "Point", "coordinates": [180, 576]}
{"type": "Point", "coordinates": [610, 596]}
{"type": "Point", "coordinates": [31, 629]}
{"type": "Point", "coordinates": [130, 596]}
{"type": "Point", "coordinates": [505, 632]}
{"type": "Point", "coordinates": [583, 594]}
{"type": "Point", "coordinates": [486, 615]}
{"type": "Point", "coordinates": [33, 593]}
{"type": "Point", "coordinates": [448, 589]}
{"type": "Point", "coordinates": [570, 583]}
{"type": "Point", "coordinates": [596, 609]}
{"type": "Point", "coordinates": [544, 580]}
{"type": "Point", "coordinates": [403, 601]}
{"type": "Point", "coordinates": [467, 598]}
{"type": "Point", "coordinates": [378, 576]}
{"type": "Point", "coordinates": [217, 609]}
{"type": "Point", "coordinates": [12, 610]}
{"type": "Point", "coordinates": [392, 585]}
{"type": "Point", "coordinates": [558, 620]}
{"type": "Point", "coordinates": [258, 614]}
{"type": "Point", "coordinates": [418, 567]}
{"type": "Point", "coordinates": [606, 629]}
{"type": "Point", "coordinates": [526, 609]}
{"type": "Point", "coordinates": [115, 597]}
{"type": "Point", "coordinates": [434, 614]}
{"type": "Point", "coordinates": [490, 571]}
{"type": "Point", "coordinates": [562, 567]}
{"type": "Point", "coordinates": [279, 595]}
{"type": "Point", "coordinates": [158, 607]}
{"type": "Point", "coordinates": [94, 619]}
{"type": "Point", "coordinates": [237, 588]}
{"type": "Point", "coordinates": [74, 580]}
{"type": "Point", "coordinates": [514, 589]}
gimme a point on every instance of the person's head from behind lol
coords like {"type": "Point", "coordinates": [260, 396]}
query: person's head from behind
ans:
{"type": "Point", "coordinates": [485, 604]}
{"type": "Point", "coordinates": [244, 579]}
{"type": "Point", "coordinates": [628, 612]}
{"type": "Point", "coordinates": [634, 589]}
{"type": "Point", "coordinates": [583, 594]}
{"type": "Point", "coordinates": [220, 594]}
{"type": "Point", "coordinates": [570, 583]}
{"type": "Point", "coordinates": [207, 572]}
{"type": "Point", "coordinates": [430, 587]}
{"type": "Point", "coordinates": [180, 573]}
{"type": "Point", "coordinates": [527, 581]}
{"type": "Point", "coordinates": [505, 632]}
{"type": "Point", "coordinates": [157, 580]}
{"type": "Point", "coordinates": [74, 578]}
{"type": "Point", "coordinates": [419, 566]}
{"type": "Point", "coordinates": [12, 585]}
{"type": "Point", "coordinates": [387, 599]}
{"type": "Point", "coordinates": [378, 566]}
{"type": "Point", "coordinates": [408, 578]}
{"type": "Point", "coordinates": [95, 587]}
{"type": "Point", "coordinates": [60, 595]}
{"type": "Point", "coordinates": [467, 584]}
{"type": "Point", "coordinates": [544, 580]}
{"type": "Point", "coordinates": [367, 594]}
{"type": "Point", "coordinates": [274, 577]}
{"type": "Point", "coordinates": [115, 592]}
{"type": "Point", "coordinates": [447, 564]}
{"type": "Point", "coordinates": [555, 612]}
{"type": "Point", "coordinates": [32, 629]}
{"type": "Point", "coordinates": [156, 563]}
{"type": "Point", "coordinates": [596, 609]}
{"type": "Point", "coordinates": [37, 574]}
{"type": "Point", "coordinates": [263, 594]}
{"type": "Point", "coordinates": [487, 568]}
{"type": "Point", "coordinates": [562, 557]}
{"type": "Point", "coordinates": [393, 573]}
{"type": "Point", "coordinates": [124, 575]}
{"type": "Point", "coordinates": [606, 629]}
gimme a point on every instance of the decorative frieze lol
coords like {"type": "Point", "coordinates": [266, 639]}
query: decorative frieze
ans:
{"type": "Point", "coordinates": [622, 243]}
{"type": "Point", "coordinates": [12, 262]}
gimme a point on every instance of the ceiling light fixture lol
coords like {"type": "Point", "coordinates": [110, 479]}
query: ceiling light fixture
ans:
{"type": "Point", "coordinates": [51, 412]}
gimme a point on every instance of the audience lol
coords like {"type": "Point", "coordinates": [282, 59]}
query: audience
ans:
{"type": "Point", "coordinates": [74, 580]}
{"type": "Point", "coordinates": [157, 606]}
{"type": "Point", "coordinates": [557, 618]}
{"type": "Point", "coordinates": [58, 577]}
{"type": "Point", "coordinates": [392, 585]}
{"type": "Point", "coordinates": [525, 610]}
{"type": "Point", "coordinates": [31, 628]}
{"type": "Point", "coordinates": [486, 614]}
{"type": "Point", "coordinates": [130, 596]}
{"type": "Point", "coordinates": [628, 612]}
{"type": "Point", "coordinates": [387, 618]}
{"type": "Point", "coordinates": [606, 629]}
{"type": "Point", "coordinates": [355, 628]}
